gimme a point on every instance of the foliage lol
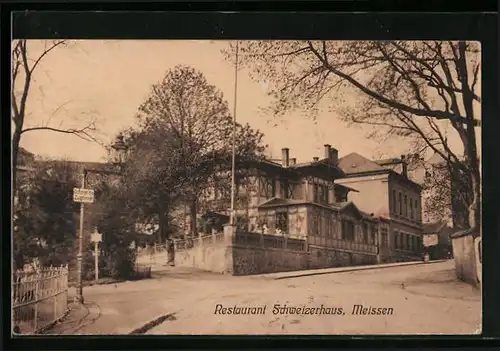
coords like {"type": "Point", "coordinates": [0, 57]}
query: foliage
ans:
{"type": "Point", "coordinates": [410, 89]}
{"type": "Point", "coordinates": [112, 219]}
{"type": "Point", "coordinates": [446, 194]}
{"type": "Point", "coordinates": [45, 216]}
{"type": "Point", "coordinates": [182, 145]}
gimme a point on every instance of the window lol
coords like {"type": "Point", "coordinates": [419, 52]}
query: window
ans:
{"type": "Point", "coordinates": [406, 206]}
{"type": "Point", "coordinates": [282, 222]}
{"type": "Point", "coordinates": [320, 194]}
{"type": "Point", "coordinates": [400, 204]}
{"type": "Point", "coordinates": [408, 240]}
{"type": "Point", "coordinates": [328, 226]}
{"type": "Point", "coordinates": [384, 237]}
{"type": "Point", "coordinates": [315, 193]}
{"type": "Point", "coordinates": [272, 187]}
{"type": "Point", "coordinates": [365, 233]}
{"type": "Point", "coordinates": [340, 197]}
{"type": "Point", "coordinates": [373, 237]}
{"type": "Point", "coordinates": [417, 213]}
{"type": "Point", "coordinates": [268, 187]}
{"type": "Point", "coordinates": [347, 230]}
{"type": "Point", "coordinates": [315, 225]}
{"type": "Point", "coordinates": [396, 240]}
{"type": "Point", "coordinates": [411, 208]}
{"type": "Point", "coordinates": [325, 194]}
{"type": "Point", "coordinates": [394, 206]}
{"type": "Point", "coordinates": [284, 189]}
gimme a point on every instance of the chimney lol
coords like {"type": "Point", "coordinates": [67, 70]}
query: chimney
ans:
{"type": "Point", "coordinates": [404, 165]}
{"type": "Point", "coordinates": [327, 151]}
{"type": "Point", "coordinates": [315, 159]}
{"type": "Point", "coordinates": [334, 155]}
{"type": "Point", "coordinates": [293, 161]}
{"type": "Point", "coordinates": [285, 158]}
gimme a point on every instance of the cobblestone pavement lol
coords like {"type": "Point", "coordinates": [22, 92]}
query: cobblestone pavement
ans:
{"type": "Point", "coordinates": [426, 299]}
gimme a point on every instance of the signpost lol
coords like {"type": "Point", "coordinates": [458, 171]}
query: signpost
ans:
{"type": "Point", "coordinates": [83, 195]}
{"type": "Point", "coordinates": [96, 239]}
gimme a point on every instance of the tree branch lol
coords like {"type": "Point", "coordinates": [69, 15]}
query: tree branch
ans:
{"type": "Point", "coordinates": [417, 112]}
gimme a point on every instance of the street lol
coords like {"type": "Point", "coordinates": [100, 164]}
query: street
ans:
{"type": "Point", "coordinates": [417, 299]}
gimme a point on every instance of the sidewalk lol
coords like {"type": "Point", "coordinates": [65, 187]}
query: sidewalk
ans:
{"type": "Point", "coordinates": [309, 272]}
{"type": "Point", "coordinates": [119, 308]}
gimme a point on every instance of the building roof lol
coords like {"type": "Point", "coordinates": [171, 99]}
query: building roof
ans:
{"type": "Point", "coordinates": [388, 161]}
{"type": "Point", "coordinates": [339, 206]}
{"type": "Point", "coordinates": [435, 159]}
{"type": "Point", "coordinates": [276, 202]}
{"type": "Point", "coordinates": [433, 227]}
{"type": "Point", "coordinates": [337, 184]}
{"type": "Point", "coordinates": [355, 163]}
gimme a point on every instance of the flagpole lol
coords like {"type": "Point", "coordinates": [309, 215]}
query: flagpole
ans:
{"type": "Point", "coordinates": [233, 160]}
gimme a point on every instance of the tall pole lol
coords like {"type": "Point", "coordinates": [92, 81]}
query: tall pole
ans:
{"type": "Point", "coordinates": [96, 250]}
{"type": "Point", "coordinates": [233, 163]}
{"type": "Point", "coordinates": [79, 256]}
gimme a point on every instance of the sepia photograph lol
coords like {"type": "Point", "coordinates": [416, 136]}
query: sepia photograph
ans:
{"type": "Point", "coordinates": [246, 187]}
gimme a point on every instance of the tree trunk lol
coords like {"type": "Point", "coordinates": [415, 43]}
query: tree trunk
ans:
{"type": "Point", "coordinates": [472, 159]}
{"type": "Point", "coordinates": [15, 152]}
{"type": "Point", "coordinates": [193, 212]}
{"type": "Point", "coordinates": [475, 206]}
{"type": "Point", "coordinates": [161, 226]}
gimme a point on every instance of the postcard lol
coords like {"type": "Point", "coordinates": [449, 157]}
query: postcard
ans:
{"type": "Point", "coordinates": [194, 187]}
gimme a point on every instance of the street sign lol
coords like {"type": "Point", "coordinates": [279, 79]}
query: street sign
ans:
{"type": "Point", "coordinates": [430, 240]}
{"type": "Point", "coordinates": [98, 253]}
{"type": "Point", "coordinates": [83, 195]}
{"type": "Point", "coordinates": [96, 237]}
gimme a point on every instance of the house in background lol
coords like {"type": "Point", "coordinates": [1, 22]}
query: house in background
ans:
{"type": "Point", "coordinates": [384, 190]}
{"type": "Point", "coordinates": [441, 231]}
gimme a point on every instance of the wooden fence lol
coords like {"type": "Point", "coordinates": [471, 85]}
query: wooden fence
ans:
{"type": "Point", "coordinates": [39, 298]}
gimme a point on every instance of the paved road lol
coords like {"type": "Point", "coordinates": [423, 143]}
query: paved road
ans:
{"type": "Point", "coordinates": [425, 299]}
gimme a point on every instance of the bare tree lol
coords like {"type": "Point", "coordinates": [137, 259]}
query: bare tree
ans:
{"type": "Point", "coordinates": [23, 70]}
{"type": "Point", "coordinates": [414, 89]}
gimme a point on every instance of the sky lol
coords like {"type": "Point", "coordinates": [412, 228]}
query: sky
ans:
{"type": "Point", "coordinates": [108, 80]}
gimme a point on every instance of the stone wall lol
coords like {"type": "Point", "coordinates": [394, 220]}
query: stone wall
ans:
{"type": "Point", "coordinates": [464, 255]}
{"type": "Point", "coordinates": [212, 257]}
{"type": "Point", "coordinates": [256, 260]}
{"type": "Point", "coordinates": [322, 257]}
{"type": "Point", "coordinates": [243, 253]}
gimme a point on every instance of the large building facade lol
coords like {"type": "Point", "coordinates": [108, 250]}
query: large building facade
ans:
{"type": "Point", "coordinates": [350, 204]}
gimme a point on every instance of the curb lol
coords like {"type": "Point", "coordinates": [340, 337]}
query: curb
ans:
{"type": "Point", "coordinates": [151, 324]}
{"type": "Point", "coordinates": [358, 269]}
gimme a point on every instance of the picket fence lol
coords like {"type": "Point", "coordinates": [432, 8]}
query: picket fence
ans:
{"type": "Point", "coordinates": [39, 298]}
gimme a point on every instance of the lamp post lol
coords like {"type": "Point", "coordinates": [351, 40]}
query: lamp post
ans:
{"type": "Point", "coordinates": [119, 153]}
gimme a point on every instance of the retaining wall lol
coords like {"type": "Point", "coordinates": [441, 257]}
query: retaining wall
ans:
{"type": "Point", "coordinates": [465, 258]}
